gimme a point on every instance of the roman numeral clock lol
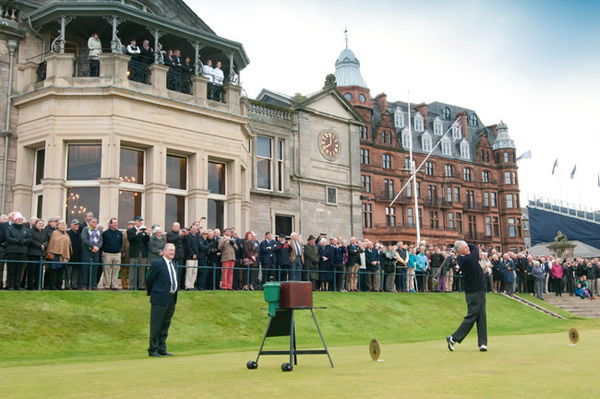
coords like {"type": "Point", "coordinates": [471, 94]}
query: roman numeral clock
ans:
{"type": "Point", "coordinates": [329, 145]}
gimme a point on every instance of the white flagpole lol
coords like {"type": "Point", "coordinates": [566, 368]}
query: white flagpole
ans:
{"type": "Point", "coordinates": [414, 175]}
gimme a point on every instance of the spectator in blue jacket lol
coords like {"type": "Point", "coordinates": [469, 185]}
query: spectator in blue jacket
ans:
{"type": "Point", "coordinates": [508, 274]}
{"type": "Point", "coordinates": [422, 265]}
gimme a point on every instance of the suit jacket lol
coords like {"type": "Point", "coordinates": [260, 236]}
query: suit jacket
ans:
{"type": "Point", "coordinates": [293, 254]}
{"type": "Point", "coordinates": [158, 283]}
{"type": "Point", "coordinates": [138, 243]}
{"type": "Point", "coordinates": [266, 252]}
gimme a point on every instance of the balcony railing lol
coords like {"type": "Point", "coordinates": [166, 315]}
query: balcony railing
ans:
{"type": "Point", "coordinates": [138, 71]}
{"type": "Point", "coordinates": [179, 81]}
{"type": "Point", "coordinates": [40, 72]}
{"type": "Point", "coordinates": [266, 110]}
{"type": "Point", "coordinates": [85, 67]}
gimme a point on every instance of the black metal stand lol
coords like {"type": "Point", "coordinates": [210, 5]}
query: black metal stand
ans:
{"type": "Point", "coordinates": [283, 325]}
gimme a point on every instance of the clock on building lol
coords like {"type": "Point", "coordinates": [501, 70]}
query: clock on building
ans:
{"type": "Point", "coordinates": [329, 143]}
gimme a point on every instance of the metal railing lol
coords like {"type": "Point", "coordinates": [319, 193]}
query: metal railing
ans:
{"type": "Point", "coordinates": [40, 72]}
{"type": "Point", "coordinates": [86, 67]}
{"type": "Point", "coordinates": [179, 80]}
{"type": "Point", "coordinates": [138, 71]}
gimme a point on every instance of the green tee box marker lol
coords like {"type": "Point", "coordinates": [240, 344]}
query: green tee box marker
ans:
{"type": "Point", "coordinates": [271, 292]}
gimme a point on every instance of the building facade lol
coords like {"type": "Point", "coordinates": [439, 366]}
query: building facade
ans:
{"type": "Point", "coordinates": [468, 187]}
{"type": "Point", "coordinates": [124, 141]}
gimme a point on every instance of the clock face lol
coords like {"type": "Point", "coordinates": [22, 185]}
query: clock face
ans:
{"type": "Point", "coordinates": [330, 145]}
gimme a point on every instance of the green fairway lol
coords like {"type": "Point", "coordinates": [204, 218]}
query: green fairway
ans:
{"type": "Point", "coordinates": [516, 366]}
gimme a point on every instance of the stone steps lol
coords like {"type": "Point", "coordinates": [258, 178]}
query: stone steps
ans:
{"type": "Point", "coordinates": [572, 304]}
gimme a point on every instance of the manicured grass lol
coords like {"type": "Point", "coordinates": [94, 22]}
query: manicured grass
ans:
{"type": "Point", "coordinates": [517, 366]}
{"type": "Point", "coordinates": [64, 327]}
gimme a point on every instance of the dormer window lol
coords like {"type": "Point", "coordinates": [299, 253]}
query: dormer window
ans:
{"type": "Point", "coordinates": [456, 132]}
{"type": "Point", "coordinates": [438, 127]}
{"type": "Point", "coordinates": [446, 113]}
{"type": "Point", "coordinates": [446, 146]}
{"type": "Point", "coordinates": [398, 118]}
{"type": "Point", "coordinates": [419, 125]}
{"type": "Point", "coordinates": [405, 139]}
{"type": "Point", "coordinates": [426, 141]}
{"type": "Point", "coordinates": [473, 119]}
{"type": "Point", "coordinates": [464, 150]}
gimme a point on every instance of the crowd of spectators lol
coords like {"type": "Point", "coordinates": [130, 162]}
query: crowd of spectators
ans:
{"type": "Point", "coordinates": [85, 255]}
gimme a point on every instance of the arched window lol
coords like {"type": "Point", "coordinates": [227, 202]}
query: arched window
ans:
{"type": "Point", "coordinates": [405, 139]}
{"type": "Point", "coordinates": [398, 118]}
{"type": "Point", "coordinates": [446, 113]}
{"type": "Point", "coordinates": [464, 150]}
{"type": "Point", "coordinates": [448, 170]}
{"type": "Point", "coordinates": [438, 127]}
{"type": "Point", "coordinates": [426, 141]}
{"type": "Point", "coordinates": [419, 125]}
{"type": "Point", "coordinates": [387, 161]}
{"type": "Point", "coordinates": [446, 146]}
{"type": "Point", "coordinates": [348, 96]}
{"type": "Point", "coordinates": [456, 132]}
{"type": "Point", "coordinates": [473, 119]}
{"type": "Point", "coordinates": [485, 176]}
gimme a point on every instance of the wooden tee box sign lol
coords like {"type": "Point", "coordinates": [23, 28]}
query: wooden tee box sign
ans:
{"type": "Point", "coordinates": [296, 294]}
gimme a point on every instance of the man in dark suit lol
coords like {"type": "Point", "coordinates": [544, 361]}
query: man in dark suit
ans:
{"type": "Point", "coordinates": [161, 286]}
{"type": "Point", "coordinates": [138, 253]}
{"type": "Point", "coordinates": [268, 257]}
{"type": "Point", "coordinates": [474, 284]}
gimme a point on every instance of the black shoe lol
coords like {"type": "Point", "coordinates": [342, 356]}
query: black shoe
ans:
{"type": "Point", "coordinates": [165, 354]}
{"type": "Point", "coordinates": [153, 354]}
{"type": "Point", "coordinates": [450, 343]}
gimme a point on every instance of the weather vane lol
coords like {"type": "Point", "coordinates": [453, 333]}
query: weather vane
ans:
{"type": "Point", "coordinates": [346, 35]}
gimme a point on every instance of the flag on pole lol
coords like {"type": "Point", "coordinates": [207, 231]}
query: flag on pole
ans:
{"type": "Point", "coordinates": [525, 155]}
{"type": "Point", "coordinates": [555, 165]}
{"type": "Point", "coordinates": [573, 171]}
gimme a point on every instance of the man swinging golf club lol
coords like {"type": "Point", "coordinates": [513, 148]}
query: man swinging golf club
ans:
{"type": "Point", "coordinates": [474, 284]}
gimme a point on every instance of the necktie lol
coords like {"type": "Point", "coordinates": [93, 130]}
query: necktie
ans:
{"type": "Point", "coordinates": [172, 277]}
{"type": "Point", "coordinates": [298, 250]}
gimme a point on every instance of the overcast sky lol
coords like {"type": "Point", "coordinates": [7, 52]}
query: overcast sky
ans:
{"type": "Point", "coordinates": [533, 64]}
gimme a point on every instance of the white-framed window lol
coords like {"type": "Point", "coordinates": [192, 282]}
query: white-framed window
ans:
{"type": "Point", "coordinates": [438, 126]}
{"type": "Point", "coordinates": [280, 165]}
{"type": "Point", "coordinates": [506, 157]}
{"type": "Point", "coordinates": [429, 168]}
{"type": "Point", "coordinates": [448, 194]}
{"type": "Point", "coordinates": [510, 204]}
{"type": "Point", "coordinates": [485, 176]}
{"type": "Point", "coordinates": [390, 216]}
{"type": "Point", "coordinates": [488, 226]}
{"type": "Point", "coordinates": [131, 186]}
{"type": "Point", "coordinates": [465, 150]}
{"type": "Point", "coordinates": [506, 177]}
{"type": "Point", "coordinates": [364, 156]}
{"type": "Point", "coordinates": [410, 217]}
{"type": "Point", "coordinates": [217, 197]}
{"type": "Point", "coordinates": [419, 123]}
{"type": "Point", "coordinates": [365, 181]}
{"type": "Point", "coordinates": [446, 112]}
{"type": "Point", "coordinates": [387, 161]}
{"type": "Point", "coordinates": [264, 163]}
{"type": "Point", "coordinates": [406, 139]}
{"type": "Point", "coordinates": [512, 231]}
{"type": "Point", "coordinates": [407, 163]}
{"type": "Point", "coordinates": [467, 174]}
{"type": "Point", "coordinates": [367, 211]}
{"type": "Point", "coordinates": [451, 224]}
{"type": "Point", "coordinates": [388, 188]}
{"type": "Point", "coordinates": [331, 195]}
{"type": "Point", "coordinates": [364, 133]}
{"type": "Point", "coordinates": [398, 118]}
{"type": "Point", "coordinates": [448, 170]}
{"type": "Point", "coordinates": [486, 199]}
{"type": "Point", "coordinates": [456, 131]}
{"type": "Point", "coordinates": [426, 141]}
{"type": "Point", "coordinates": [513, 176]}
{"type": "Point", "coordinates": [38, 176]}
{"type": "Point", "coordinates": [446, 146]}
{"type": "Point", "coordinates": [493, 200]}
{"type": "Point", "coordinates": [456, 194]}
{"type": "Point", "coordinates": [472, 119]}
{"type": "Point", "coordinates": [84, 162]}
{"type": "Point", "coordinates": [177, 189]}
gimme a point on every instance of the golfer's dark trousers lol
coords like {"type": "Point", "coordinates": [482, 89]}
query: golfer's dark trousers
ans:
{"type": "Point", "coordinates": [160, 321]}
{"type": "Point", "coordinates": [475, 314]}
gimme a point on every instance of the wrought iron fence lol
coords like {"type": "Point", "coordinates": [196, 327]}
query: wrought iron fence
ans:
{"type": "Point", "coordinates": [138, 71]}
{"type": "Point", "coordinates": [179, 80]}
{"type": "Point", "coordinates": [86, 67]}
{"type": "Point", "coordinates": [40, 72]}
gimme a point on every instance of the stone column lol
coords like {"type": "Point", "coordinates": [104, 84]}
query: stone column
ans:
{"type": "Point", "coordinates": [59, 69]}
{"type": "Point", "coordinates": [156, 186]}
{"type": "Point", "coordinates": [232, 97]}
{"type": "Point", "coordinates": [53, 184]}
{"type": "Point", "coordinates": [109, 179]}
{"type": "Point", "coordinates": [158, 79]}
{"type": "Point", "coordinates": [199, 89]}
{"type": "Point", "coordinates": [22, 189]}
{"type": "Point", "coordinates": [197, 191]}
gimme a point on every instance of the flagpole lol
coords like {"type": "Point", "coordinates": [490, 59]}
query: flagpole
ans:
{"type": "Point", "coordinates": [413, 173]}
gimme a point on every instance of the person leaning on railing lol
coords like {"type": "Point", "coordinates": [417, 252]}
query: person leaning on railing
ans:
{"type": "Point", "coordinates": [113, 241]}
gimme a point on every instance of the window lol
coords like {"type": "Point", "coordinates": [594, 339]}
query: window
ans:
{"type": "Point", "coordinates": [264, 158]}
{"type": "Point", "coordinates": [467, 174]}
{"type": "Point", "coordinates": [471, 198]}
{"type": "Point", "coordinates": [472, 226]}
{"type": "Point", "coordinates": [84, 161]}
{"type": "Point", "coordinates": [459, 226]}
{"type": "Point", "coordinates": [431, 193]}
{"type": "Point", "coordinates": [446, 146]}
{"type": "Point", "coordinates": [40, 159]}
{"type": "Point", "coordinates": [456, 194]}
{"type": "Point", "coordinates": [446, 113]}
{"type": "Point", "coordinates": [488, 226]}
{"type": "Point", "coordinates": [217, 187]}
{"type": "Point", "coordinates": [398, 118]}
{"type": "Point", "coordinates": [387, 161]}
{"type": "Point", "coordinates": [448, 170]}
{"type": "Point", "coordinates": [512, 232]}
{"type": "Point", "coordinates": [513, 176]}
{"type": "Point", "coordinates": [505, 155]}
{"type": "Point", "coordinates": [486, 199]}
{"type": "Point", "coordinates": [216, 178]}
{"type": "Point", "coordinates": [348, 96]}
{"type": "Point", "coordinates": [496, 226]}
{"type": "Point", "coordinates": [448, 194]}
{"type": "Point", "coordinates": [517, 204]}
{"type": "Point", "coordinates": [284, 225]}
{"type": "Point", "coordinates": [39, 206]}
{"type": "Point", "coordinates": [429, 168]}
{"type": "Point", "coordinates": [419, 122]}
{"type": "Point", "coordinates": [485, 156]}
{"type": "Point", "coordinates": [390, 216]}
{"type": "Point", "coordinates": [406, 140]}
{"type": "Point", "coordinates": [410, 217]}
{"type": "Point", "coordinates": [81, 200]}
{"type": "Point", "coordinates": [409, 190]}
{"type": "Point", "coordinates": [456, 131]}
{"type": "Point", "coordinates": [388, 188]}
{"type": "Point", "coordinates": [418, 193]}
{"type": "Point", "coordinates": [407, 163]}
{"type": "Point", "coordinates": [331, 195]}
{"type": "Point", "coordinates": [131, 169]}
{"type": "Point", "coordinates": [177, 172]}
{"type": "Point", "coordinates": [367, 210]}
{"type": "Point", "coordinates": [464, 150]}
{"type": "Point", "coordinates": [519, 229]}
{"type": "Point", "coordinates": [130, 206]}
{"type": "Point", "coordinates": [506, 177]}
{"type": "Point", "coordinates": [215, 214]}
{"type": "Point", "coordinates": [362, 98]}
{"type": "Point", "coordinates": [364, 156]}
{"type": "Point", "coordinates": [438, 127]}
{"type": "Point", "coordinates": [174, 209]}
{"type": "Point", "coordinates": [493, 201]}
{"type": "Point", "coordinates": [426, 142]}
{"type": "Point", "coordinates": [485, 176]}
{"type": "Point", "coordinates": [280, 159]}
{"type": "Point", "coordinates": [366, 183]}
{"type": "Point", "coordinates": [473, 119]}
{"type": "Point", "coordinates": [364, 133]}
{"type": "Point", "coordinates": [451, 224]}
{"type": "Point", "coordinates": [509, 201]}
{"type": "Point", "coordinates": [434, 220]}
{"type": "Point", "coordinates": [525, 225]}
